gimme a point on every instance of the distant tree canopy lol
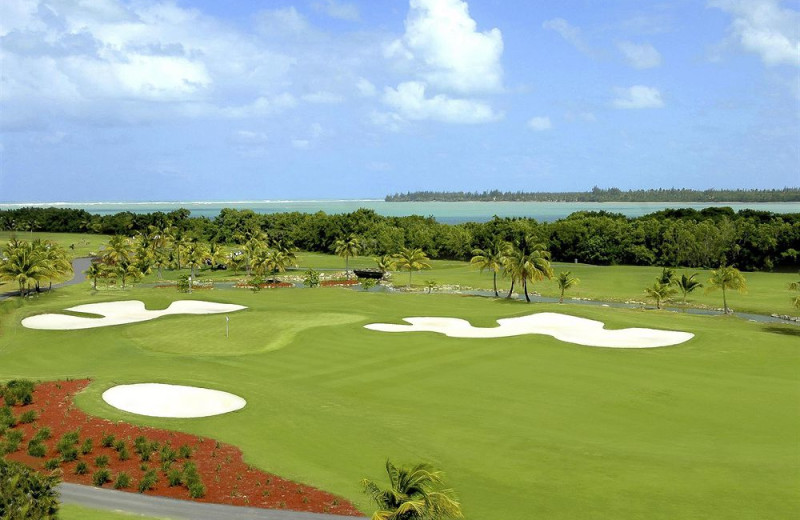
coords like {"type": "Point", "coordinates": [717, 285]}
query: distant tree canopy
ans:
{"type": "Point", "coordinates": [749, 240]}
{"type": "Point", "coordinates": [604, 195]}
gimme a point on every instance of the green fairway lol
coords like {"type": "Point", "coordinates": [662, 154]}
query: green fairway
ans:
{"type": "Point", "coordinates": [74, 512]}
{"type": "Point", "coordinates": [525, 426]}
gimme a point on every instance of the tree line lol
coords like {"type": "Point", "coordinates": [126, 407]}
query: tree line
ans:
{"type": "Point", "coordinates": [748, 239]}
{"type": "Point", "coordinates": [603, 195]}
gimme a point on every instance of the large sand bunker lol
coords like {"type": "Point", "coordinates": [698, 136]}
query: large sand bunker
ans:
{"type": "Point", "coordinates": [120, 313]}
{"type": "Point", "coordinates": [161, 400]}
{"type": "Point", "coordinates": [561, 326]}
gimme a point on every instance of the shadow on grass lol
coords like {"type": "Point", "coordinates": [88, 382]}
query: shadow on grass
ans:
{"type": "Point", "coordinates": [786, 330]}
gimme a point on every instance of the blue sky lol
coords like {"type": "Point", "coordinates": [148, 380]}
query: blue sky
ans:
{"type": "Point", "coordinates": [113, 100]}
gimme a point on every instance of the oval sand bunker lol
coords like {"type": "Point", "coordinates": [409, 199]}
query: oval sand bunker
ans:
{"type": "Point", "coordinates": [162, 400]}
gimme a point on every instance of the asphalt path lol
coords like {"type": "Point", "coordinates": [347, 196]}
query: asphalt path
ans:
{"type": "Point", "coordinates": [161, 507]}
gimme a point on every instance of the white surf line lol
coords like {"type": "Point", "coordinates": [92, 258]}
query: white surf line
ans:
{"type": "Point", "coordinates": [120, 313]}
{"type": "Point", "coordinates": [563, 327]}
{"type": "Point", "coordinates": [174, 401]}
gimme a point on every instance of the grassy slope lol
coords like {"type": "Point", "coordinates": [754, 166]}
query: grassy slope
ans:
{"type": "Point", "coordinates": [525, 427]}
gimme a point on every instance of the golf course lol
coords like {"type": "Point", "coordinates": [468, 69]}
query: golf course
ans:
{"type": "Point", "coordinates": [524, 426]}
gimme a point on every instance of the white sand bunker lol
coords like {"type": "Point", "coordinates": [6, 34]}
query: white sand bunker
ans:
{"type": "Point", "coordinates": [561, 326]}
{"type": "Point", "coordinates": [119, 313]}
{"type": "Point", "coordinates": [160, 400]}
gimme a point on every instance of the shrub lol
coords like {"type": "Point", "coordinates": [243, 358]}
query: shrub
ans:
{"type": "Point", "coordinates": [71, 438]}
{"type": "Point", "coordinates": [36, 448]}
{"type": "Point", "coordinates": [27, 417]}
{"type": "Point", "coordinates": [185, 452]}
{"type": "Point", "coordinates": [100, 477]}
{"type": "Point", "coordinates": [311, 279]}
{"type": "Point", "coordinates": [42, 434]}
{"type": "Point", "coordinates": [107, 440]}
{"type": "Point", "coordinates": [81, 468]}
{"type": "Point", "coordinates": [101, 461]}
{"type": "Point", "coordinates": [7, 418]}
{"type": "Point", "coordinates": [52, 464]}
{"type": "Point", "coordinates": [167, 454]}
{"type": "Point", "coordinates": [19, 391]}
{"type": "Point", "coordinates": [197, 490]}
{"type": "Point", "coordinates": [69, 454]}
{"type": "Point", "coordinates": [123, 481]}
{"type": "Point", "coordinates": [25, 490]}
{"type": "Point", "coordinates": [87, 446]}
{"type": "Point", "coordinates": [148, 481]}
{"type": "Point", "coordinates": [119, 445]}
{"type": "Point", "coordinates": [123, 453]}
{"type": "Point", "coordinates": [174, 478]}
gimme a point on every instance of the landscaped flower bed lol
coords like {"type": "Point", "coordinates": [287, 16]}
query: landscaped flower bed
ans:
{"type": "Point", "coordinates": [88, 450]}
{"type": "Point", "coordinates": [338, 283]}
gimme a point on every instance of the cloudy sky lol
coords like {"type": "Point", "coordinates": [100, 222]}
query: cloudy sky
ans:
{"type": "Point", "coordinates": [117, 100]}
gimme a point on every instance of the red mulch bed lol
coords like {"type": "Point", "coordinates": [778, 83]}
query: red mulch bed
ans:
{"type": "Point", "coordinates": [227, 479]}
{"type": "Point", "coordinates": [263, 285]}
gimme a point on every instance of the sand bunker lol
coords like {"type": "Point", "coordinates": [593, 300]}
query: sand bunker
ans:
{"type": "Point", "coordinates": [119, 313]}
{"type": "Point", "coordinates": [561, 326]}
{"type": "Point", "coordinates": [160, 400]}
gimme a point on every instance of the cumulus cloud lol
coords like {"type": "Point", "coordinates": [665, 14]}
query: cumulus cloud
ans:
{"type": "Point", "coordinates": [365, 87]}
{"type": "Point", "coordinates": [765, 28]}
{"type": "Point", "coordinates": [640, 55]}
{"type": "Point", "coordinates": [638, 96]}
{"type": "Point", "coordinates": [340, 10]}
{"type": "Point", "coordinates": [444, 47]}
{"type": "Point", "coordinates": [570, 33]}
{"type": "Point", "coordinates": [410, 103]}
{"type": "Point", "coordinates": [540, 123]}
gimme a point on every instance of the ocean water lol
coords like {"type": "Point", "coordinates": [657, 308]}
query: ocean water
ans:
{"type": "Point", "coordinates": [446, 212]}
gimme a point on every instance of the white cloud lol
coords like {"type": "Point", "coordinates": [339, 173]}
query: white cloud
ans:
{"type": "Point", "coordinates": [540, 123]}
{"type": "Point", "coordinates": [640, 55]}
{"type": "Point", "coordinates": [366, 88]}
{"type": "Point", "coordinates": [284, 22]}
{"type": "Point", "coordinates": [638, 96]}
{"type": "Point", "coordinates": [570, 33]}
{"type": "Point", "coordinates": [765, 28]}
{"type": "Point", "coordinates": [340, 10]}
{"type": "Point", "coordinates": [409, 100]}
{"type": "Point", "coordinates": [444, 47]}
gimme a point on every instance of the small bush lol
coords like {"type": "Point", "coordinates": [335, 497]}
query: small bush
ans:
{"type": "Point", "coordinates": [100, 477]}
{"type": "Point", "coordinates": [119, 445]}
{"type": "Point", "coordinates": [86, 447]}
{"type": "Point", "coordinates": [36, 448]}
{"type": "Point", "coordinates": [69, 454]}
{"type": "Point", "coordinates": [27, 417]}
{"type": "Point", "coordinates": [167, 454]}
{"type": "Point", "coordinates": [71, 438]}
{"type": "Point", "coordinates": [124, 454]}
{"type": "Point", "coordinates": [81, 468]}
{"type": "Point", "coordinates": [174, 478]}
{"type": "Point", "coordinates": [148, 481]}
{"type": "Point", "coordinates": [7, 418]}
{"type": "Point", "coordinates": [19, 391]}
{"type": "Point", "coordinates": [42, 434]}
{"type": "Point", "coordinates": [14, 436]}
{"type": "Point", "coordinates": [101, 461]}
{"type": "Point", "coordinates": [197, 490]}
{"type": "Point", "coordinates": [185, 452]}
{"type": "Point", "coordinates": [123, 481]}
{"type": "Point", "coordinates": [52, 464]}
{"type": "Point", "coordinates": [107, 440]}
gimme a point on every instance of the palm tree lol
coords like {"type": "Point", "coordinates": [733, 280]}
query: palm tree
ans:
{"type": "Point", "coordinates": [346, 249]}
{"type": "Point", "coordinates": [93, 272]}
{"type": "Point", "coordinates": [252, 248]}
{"type": "Point", "coordinates": [533, 266]}
{"type": "Point", "coordinates": [493, 259]}
{"type": "Point", "coordinates": [667, 276]}
{"type": "Point", "coordinates": [660, 292]}
{"type": "Point", "coordinates": [411, 260]}
{"type": "Point", "coordinates": [22, 263]}
{"type": "Point", "coordinates": [414, 493]}
{"type": "Point", "coordinates": [385, 263]}
{"type": "Point", "coordinates": [566, 281]}
{"type": "Point", "coordinates": [686, 284]}
{"type": "Point", "coordinates": [119, 256]}
{"type": "Point", "coordinates": [727, 278]}
{"type": "Point", "coordinates": [196, 255]}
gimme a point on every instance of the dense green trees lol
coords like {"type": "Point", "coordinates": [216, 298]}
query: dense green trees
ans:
{"type": "Point", "coordinates": [750, 240]}
{"type": "Point", "coordinates": [28, 264]}
{"type": "Point", "coordinates": [26, 494]}
{"type": "Point", "coordinates": [414, 493]}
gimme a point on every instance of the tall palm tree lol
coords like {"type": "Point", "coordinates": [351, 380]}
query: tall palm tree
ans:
{"type": "Point", "coordinates": [727, 278]}
{"type": "Point", "coordinates": [411, 260]}
{"type": "Point", "coordinates": [414, 493]}
{"type": "Point", "coordinates": [196, 254]}
{"type": "Point", "coordinates": [252, 248]}
{"type": "Point", "coordinates": [686, 284]}
{"type": "Point", "coordinates": [118, 256]}
{"type": "Point", "coordinates": [93, 272]}
{"type": "Point", "coordinates": [660, 292]}
{"type": "Point", "coordinates": [23, 264]}
{"type": "Point", "coordinates": [385, 263]}
{"type": "Point", "coordinates": [533, 266]}
{"type": "Point", "coordinates": [346, 249]}
{"type": "Point", "coordinates": [566, 281]}
{"type": "Point", "coordinates": [57, 261]}
{"type": "Point", "coordinates": [493, 258]}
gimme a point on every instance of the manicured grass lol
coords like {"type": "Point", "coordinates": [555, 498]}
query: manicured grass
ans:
{"type": "Point", "coordinates": [75, 512]}
{"type": "Point", "coordinates": [77, 244]}
{"type": "Point", "coordinates": [524, 427]}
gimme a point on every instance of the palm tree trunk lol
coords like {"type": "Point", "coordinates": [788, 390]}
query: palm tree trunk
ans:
{"type": "Point", "coordinates": [561, 298]}
{"type": "Point", "coordinates": [724, 301]}
{"type": "Point", "coordinates": [494, 282]}
{"type": "Point", "coordinates": [511, 291]}
{"type": "Point", "coordinates": [525, 289]}
{"type": "Point", "coordinates": [347, 267]}
{"type": "Point", "coordinates": [409, 278]}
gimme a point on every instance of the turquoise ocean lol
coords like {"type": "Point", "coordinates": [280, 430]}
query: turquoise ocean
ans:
{"type": "Point", "coordinates": [446, 212]}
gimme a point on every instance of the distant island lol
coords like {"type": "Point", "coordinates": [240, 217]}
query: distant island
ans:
{"type": "Point", "coordinates": [603, 195]}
